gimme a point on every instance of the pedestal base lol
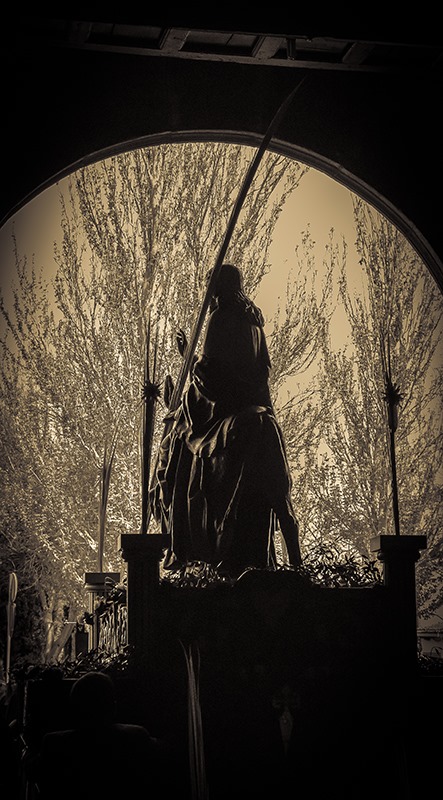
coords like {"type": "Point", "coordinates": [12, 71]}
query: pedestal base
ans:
{"type": "Point", "coordinates": [142, 552]}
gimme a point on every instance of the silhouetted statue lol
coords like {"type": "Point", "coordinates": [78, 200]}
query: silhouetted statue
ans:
{"type": "Point", "coordinates": [222, 477]}
{"type": "Point", "coordinates": [98, 756]}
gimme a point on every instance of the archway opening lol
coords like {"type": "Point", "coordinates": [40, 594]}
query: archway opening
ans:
{"type": "Point", "coordinates": [328, 378]}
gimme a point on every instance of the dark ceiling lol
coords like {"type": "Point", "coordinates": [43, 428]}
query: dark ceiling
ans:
{"type": "Point", "coordinates": [366, 113]}
{"type": "Point", "coordinates": [311, 49]}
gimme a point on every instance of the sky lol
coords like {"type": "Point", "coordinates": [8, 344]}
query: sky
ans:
{"type": "Point", "coordinates": [319, 201]}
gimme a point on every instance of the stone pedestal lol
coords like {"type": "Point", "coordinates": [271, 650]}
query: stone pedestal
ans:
{"type": "Point", "coordinates": [399, 555]}
{"type": "Point", "coordinates": [97, 584]}
{"type": "Point", "coordinates": [142, 553]}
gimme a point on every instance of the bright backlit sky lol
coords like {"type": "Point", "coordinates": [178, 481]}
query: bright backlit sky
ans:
{"type": "Point", "coordinates": [319, 201]}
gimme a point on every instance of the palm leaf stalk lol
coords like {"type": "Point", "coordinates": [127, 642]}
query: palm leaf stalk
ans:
{"type": "Point", "coordinates": [393, 398]}
{"type": "Point", "coordinates": [199, 787]}
{"type": "Point", "coordinates": [105, 479]}
{"type": "Point", "coordinates": [235, 212]}
{"type": "Point", "coordinates": [151, 393]}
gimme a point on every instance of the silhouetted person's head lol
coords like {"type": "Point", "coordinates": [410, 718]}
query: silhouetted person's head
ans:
{"type": "Point", "coordinates": [229, 281]}
{"type": "Point", "coordinates": [92, 699]}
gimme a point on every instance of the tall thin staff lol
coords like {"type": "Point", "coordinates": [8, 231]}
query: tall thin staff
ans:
{"type": "Point", "coordinates": [188, 356]}
{"type": "Point", "coordinates": [150, 395]}
{"type": "Point", "coordinates": [393, 398]}
{"type": "Point", "coordinates": [252, 169]}
{"type": "Point", "coordinates": [10, 621]}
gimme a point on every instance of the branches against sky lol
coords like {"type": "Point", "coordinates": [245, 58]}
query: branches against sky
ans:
{"type": "Point", "coordinates": [138, 233]}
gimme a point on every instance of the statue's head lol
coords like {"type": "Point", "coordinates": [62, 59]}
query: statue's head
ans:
{"type": "Point", "coordinates": [229, 281]}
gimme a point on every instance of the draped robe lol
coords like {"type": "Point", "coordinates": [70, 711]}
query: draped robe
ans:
{"type": "Point", "coordinates": [222, 476]}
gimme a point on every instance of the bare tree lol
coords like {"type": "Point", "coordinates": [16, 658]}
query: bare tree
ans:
{"type": "Point", "coordinates": [399, 313]}
{"type": "Point", "coordinates": [139, 232]}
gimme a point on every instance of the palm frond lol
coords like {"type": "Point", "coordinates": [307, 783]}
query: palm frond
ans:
{"type": "Point", "coordinates": [199, 787]}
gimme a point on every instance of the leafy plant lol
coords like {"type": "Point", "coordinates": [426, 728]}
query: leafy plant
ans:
{"type": "Point", "coordinates": [329, 566]}
{"type": "Point", "coordinates": [195, 727]}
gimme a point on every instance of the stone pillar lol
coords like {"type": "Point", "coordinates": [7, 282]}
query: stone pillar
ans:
{"type": "Point", "coordinates": [399, 555]}
{"type": "Point", "coordinates": [97, 584]}
{"type": "Point", "coordinates": [142, 553]}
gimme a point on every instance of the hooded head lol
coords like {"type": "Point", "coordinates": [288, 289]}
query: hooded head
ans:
{"type": "Point", "coordinates": [229, 281]}
{"type": "Point", "coordinates": [229, 291]}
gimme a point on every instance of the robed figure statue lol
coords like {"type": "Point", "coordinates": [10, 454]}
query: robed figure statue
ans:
{"type": "Point", "coordinates": [222, 482]}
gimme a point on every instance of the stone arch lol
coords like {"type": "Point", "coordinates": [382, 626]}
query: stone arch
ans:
{"type": "Point", "coordinates": [370, 127]}
{"type": "Point", "coordinates": [333, 170]}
